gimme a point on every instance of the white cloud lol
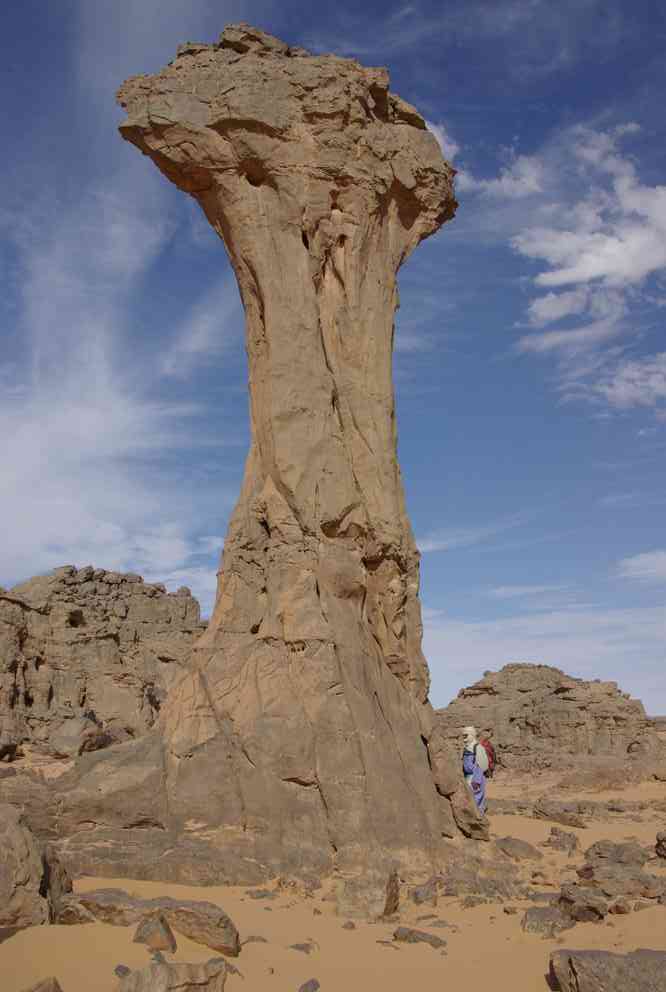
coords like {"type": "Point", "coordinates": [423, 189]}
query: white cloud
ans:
{"type": "Point", "coordinates": [650, 566]}
{"type": "Point", "coordinates": [572, 342]}
{"type": "Point", "coordinates": [466, 537]}
{"type": "Point", "coordinates": [635, 382]}
{"type": "Point", "coordinates": [522, 178]}
{"type": "Point", "coordinates": [208, 330]}
{"type": "Point", "coordinates": [553, 306]}
{"type": "Point", "coordinates": [521, 592]}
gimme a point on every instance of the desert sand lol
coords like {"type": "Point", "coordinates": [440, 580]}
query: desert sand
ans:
{"type": "Point", "coordinates": [486, 948]}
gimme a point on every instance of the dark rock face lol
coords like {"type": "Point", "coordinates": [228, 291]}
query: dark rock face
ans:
{"type": "Point", "coordinates": [86, 658]}
{"type": "Point", "coordinates": [549, 921]}
{"type": "Point", "coordinates": [539, 717]}
{"type": "Point", "coordinates": [32, 882]}
{"type": "Point", "coordinates": [603, 971]}
{"type": "Point", "coordinates": [660, 846]}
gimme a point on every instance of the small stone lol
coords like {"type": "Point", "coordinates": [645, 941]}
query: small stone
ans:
{"type": "Point", "coordinates": [407, 935]}
{"type": "Point", "coordinates": [509, 910]}
{"type": "Point", "coordinates": [254, 940]}
{"type": "Point", "coordinates": [307, 947]}
{"type": "Point", "coordinates": [312, 985]}
{"type": "Point", "coordinates": [121, 970]}
{"type": "Point", "coordinates": [349, 925]}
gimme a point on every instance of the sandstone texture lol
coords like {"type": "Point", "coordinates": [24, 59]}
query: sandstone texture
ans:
{"type": "Point", "coordinates": [538, 717]}
{"type": "Point", "coordinates": [173, 977]}
{"type": "Point", "coordinates": [32, 882]}
{"type": "Point", "coordinates": [603, 971]}
{"type": "Point", "coordinates": [86, 658]}
{"type": "Point", "coordinates": [297, 742]}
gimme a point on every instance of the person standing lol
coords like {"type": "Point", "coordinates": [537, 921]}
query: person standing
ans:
{"type": "Point", "coordinates": [475, 765]}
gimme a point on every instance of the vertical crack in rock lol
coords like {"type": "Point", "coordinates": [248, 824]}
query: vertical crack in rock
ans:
{"type": "Point", "coordinates": [320, 182]}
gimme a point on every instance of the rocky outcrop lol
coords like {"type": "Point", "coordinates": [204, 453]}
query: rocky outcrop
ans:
{"type": "Point", "coordinates": [539, 717]}
{"type": "Point", "coordinates": [297, 741]}
{"type": "Point", "coordinates": [86, 658]}
{"type": "Point", "coordinates": [604, 971]}
{"type": "Point", "coordinates": [32, 883]}
{"type": "Point", "coordinates": [169, 976]}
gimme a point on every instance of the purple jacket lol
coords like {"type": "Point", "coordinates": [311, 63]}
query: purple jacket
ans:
{"type": "Point", "coordinates": [477, 781]}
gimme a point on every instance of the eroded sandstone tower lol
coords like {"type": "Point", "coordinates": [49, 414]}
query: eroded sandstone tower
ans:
{"type": "Point", "coordinates": [298, 738]}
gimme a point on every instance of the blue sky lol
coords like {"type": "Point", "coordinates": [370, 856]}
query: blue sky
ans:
{"type": "Point", "coordinates": [530, 358]}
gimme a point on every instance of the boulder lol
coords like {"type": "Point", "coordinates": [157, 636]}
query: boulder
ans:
{"type": "Point", "coordinates": [582, 904]}
{"type": "Point", "coordinates": [203, 922]}
{"type": "Point", "coordinates": [518, 850]}
{"type": "Point", "coordinates": [171, 977]}
{"type": "Point", "coordinates": [548, 921]}
{"type": "Point", "coordinates": [605, 853]}
{"type": "Point", "coordinates": [32, 882]}
{"type": "Point", "coordinates": [604, 971]}
{"type": "Point", "coordinates": [468, 819]}
{"type": "Point", "coordinates": [539, 717]}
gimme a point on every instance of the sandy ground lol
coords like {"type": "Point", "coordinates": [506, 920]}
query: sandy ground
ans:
{"type": "Point", "coordinates": [486, 949]}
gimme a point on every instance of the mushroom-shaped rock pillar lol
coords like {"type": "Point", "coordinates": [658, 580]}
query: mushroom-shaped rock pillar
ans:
{"type": "Point", "coordinates": [297, 738]}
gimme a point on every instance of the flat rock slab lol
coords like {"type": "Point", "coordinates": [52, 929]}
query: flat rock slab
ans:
{"type": "Point", "coordinates": [549, 921]}
{"type": "Point", "coordinates": [203, 922]}
{"type": "Point", "coordinates": [407, 935]}
{"type": "Point", "coordinates": [603, 971]}
{"type": "Point", "coordinates": [162, 977]}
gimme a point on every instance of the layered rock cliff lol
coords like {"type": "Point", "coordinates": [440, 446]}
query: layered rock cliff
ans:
{"type": "Point", "coordinates": [297, 740]}
{"type": "Point", "coordinates": [539, 717]}
{"type": "Point", "coordinates": [87, 657]}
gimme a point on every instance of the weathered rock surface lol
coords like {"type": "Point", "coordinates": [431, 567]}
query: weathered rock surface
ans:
{"type": "Point", "coordinates": [548, 921]}
{"type": "Point", "coordinates": [660, 846]}
{"type": "Point", "coordinates": [86, 658]}
{"type": "Point", "coordinates": [201, 921]}
{"type": "Point", "coordinates": [539, 717]}
{"type": "Point", "coordinates": [172, 977]}
{"type": "Point", "coordinates": [32, 882]}
{"type": "Point", "coordinates": [408, 935]}
{"type": "Point", "coordinates": [155, 932]}
{"type": "Point", "coordinates": [603, 971]}
{"type": "Point", "coordinates": [297, 741]}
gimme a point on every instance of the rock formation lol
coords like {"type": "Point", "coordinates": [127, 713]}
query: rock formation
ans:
{"type": "Point", "coordinates": [86, 658]}
{"type": "Point", "coordinates": [538, 717]}
{"type": "Point", "coordinates": [32, 882]}
{"type": "Point", "coordinates": [297, 740]}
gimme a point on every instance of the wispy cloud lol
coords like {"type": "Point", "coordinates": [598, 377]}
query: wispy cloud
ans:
{"type": "Point", "coordinates": [467, 537]}
{"type": "Point", "coordinates": [207, 331]}
{"type": "Point", "coordinates": [522, 592]}
{"type": "Point", "coordinates": [650, 566]}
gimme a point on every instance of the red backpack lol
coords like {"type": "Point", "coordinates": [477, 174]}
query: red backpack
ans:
{"type": "Point", "coordinates": [492, 759]}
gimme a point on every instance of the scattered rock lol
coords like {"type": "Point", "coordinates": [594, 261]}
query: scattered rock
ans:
{"type": "Point", "coordinates": [407, 935]}
{"type": "Point", "coordinates": [121, 970]}
{"type": "Point", "coordinates": [518, 850]}
{"type": "Point", "coordinates": [425, 893]}
{"type": "Point", "coordinates": [155, 932]}
{"type": "Point", "coordinates": [261, 894]}
{"type": "Point", "coordinates": [660, 847]}
{"type": "Point", "coordinates": [559, 812]}
{"type": "Point", "coordinates": [312, 985]}
{"type": "Point", "coordinates": [549, 921]}
{"type": "Point", "coordinates": [349, 925]}
{"type": "Point", "coordinates": [582, 904]}
{"type": "Point", "coordinates": [176, 977]}
{"type": "Point", "coordinates": [561, 840]}
{"type": "Point", "coordinates": [307, 947]}
{"type": "Point", "coordinates": [603, 971]}
{"type": "Point", "coordinates": [627, 853]}
{"type": "Point", "coordinates": [509, 910]}
{"type": "Point", "coordinates": [620, 906]}
{"type": "Point", "coordinates": [254, 940]}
